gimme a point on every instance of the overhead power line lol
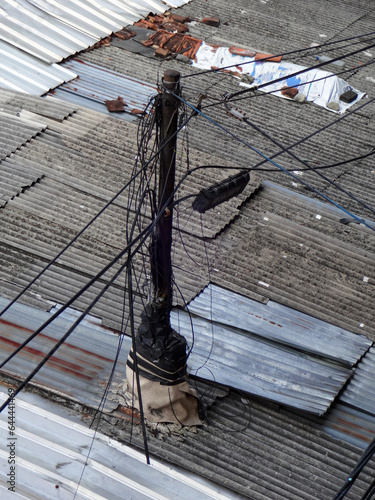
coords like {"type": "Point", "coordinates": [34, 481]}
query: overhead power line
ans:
{"type": "Point", "coordinates": [304, 70]}
{"type": "Point", "coordinates": [294, 156]}
{"type": "Point", "coordinates": [266, 158]}
{"type": "Point", "coordinates": [283, 54]}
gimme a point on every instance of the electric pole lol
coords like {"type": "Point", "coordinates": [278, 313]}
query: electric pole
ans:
{"type": "Point", "coordinates": [159, 356]}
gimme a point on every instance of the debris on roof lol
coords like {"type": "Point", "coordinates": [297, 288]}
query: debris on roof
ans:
{"type": "Point", "coordinates": [318, 86]}
{"type": "Point", "coordinates": [105, 89]}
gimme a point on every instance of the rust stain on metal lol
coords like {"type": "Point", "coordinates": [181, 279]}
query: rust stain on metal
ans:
{"type": "Point", "coordinates": [13, 325]}
{"type": "Point", "coordinates": [50, 339]}
{"type": "Point", "coordinates": [351, 429]}
{"type": "Point", "coordinates": [61, 364]}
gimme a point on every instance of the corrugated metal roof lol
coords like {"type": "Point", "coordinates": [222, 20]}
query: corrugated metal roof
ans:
{"type": "Point", "coordinates": [36, 34]}
{"type": "Point", "coordinates": [51, 452]}
{"type": "Point", "coordinates": [97, 84]}
{"type": "Point", "coordinates": [81, 366]}
{"type": "Point", "coordinates": [280, 324]}
{"type": "Point", "coordinates": [24, 73]}
{"type": "Point", "coordinates": [15, 131]}
{"type": "Point", "coordinates": [360, 391]}
{"type": "Point", "coordinates": [349, 424]}
{"type": "Point", "coordinates": [236, 342]}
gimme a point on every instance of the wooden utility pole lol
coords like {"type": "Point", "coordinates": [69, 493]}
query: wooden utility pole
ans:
{"type": "Point", "coordinates": [161, 259]}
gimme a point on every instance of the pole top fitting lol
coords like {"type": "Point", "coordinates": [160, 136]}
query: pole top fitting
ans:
{"type": "Point", "coordinates": [171, 78]}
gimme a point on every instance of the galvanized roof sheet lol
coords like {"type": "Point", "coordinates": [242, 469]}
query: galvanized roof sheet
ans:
{"type": "Point", "coordinates": [97, 84]}
{"type": "Point", "coordinates": [280, 324]}
{"type": "Point", "coordinates": [34, 35]}
{"type": "Point", "coordinates": [236, 342]}
{"type": "Point", "coordinates": [360, 391]}
{"type": "Point", "coordinates": [80, 368]}
{"type": "Point", "coordinates": [52, 450]}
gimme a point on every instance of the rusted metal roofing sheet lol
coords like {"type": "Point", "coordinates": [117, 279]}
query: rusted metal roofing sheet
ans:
{"type": "Point", "coordinates": [360, 391]}
{"type": "Point", "coordinates": [226, 350]}
{"type": "Point", "coordinates": [52, 447]}
{"type": "Point", "coordinates": [97, 84]}
{"type": "Point", "coordinates": [349, 424]}
{"type": "Point", "coordinates": [80, 368]}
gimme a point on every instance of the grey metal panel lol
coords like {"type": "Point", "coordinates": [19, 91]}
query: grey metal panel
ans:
{"type": "Point", "coordinates": [52, 448]}
{"type": "Point", "coordinates": [47, 31]}
{"type": "Point", "coordinates": [225, 355]}
{"type": "Point", "coordinates": [23, 72]}
{"type": "Point", "coordinates": [99, 84]}
{"type": "Point", "coordinates": [281, 324]}
{"type": "Point", "coordinates": [360, 391]}
{"type": "Point", "coordinates": [80, 368]}
{"type": "Point", "coordinates": [349, 424]}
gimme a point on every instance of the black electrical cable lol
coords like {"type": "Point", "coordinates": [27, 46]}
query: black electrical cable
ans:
{"type": "Point", "coordinates": [304, 70]}
{"type": "Point", "coordinates": [323, 129]}
{"type": "Point", "coordinates": [84, 229]}
{"type": "Point", "coordinates": [319, 167]}
{"type": "Point", "coordinates": [136, 367]}
{"type": "Point", "coordinates": [274, 163]}
{"type": "Point", "coordinates": [369, 492]}
{"type": "Point", "coordinates": [283, 54]}
{"type": "Point", "coordinates": [333, 183]}
{"type": "Point", "coordinates": [366, 456]}
{"type": "Point", "coordinates": [262, 94]}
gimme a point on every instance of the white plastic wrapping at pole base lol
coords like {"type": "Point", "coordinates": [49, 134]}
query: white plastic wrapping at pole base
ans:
{"type": "Point", "coordinates": [164, 403]}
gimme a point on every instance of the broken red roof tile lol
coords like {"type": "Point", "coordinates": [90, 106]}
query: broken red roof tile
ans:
{"type": "Point", "coordinates": [180, 19]}
{"type": "Point", "coordinates": [268, 57]}
{"type": "Point", "coordinates": [177, 43]}
{"type": "Point", "coordinates": [115, 105]}
{"type": "Point", "coordinates": [162, 53]}
{"type": "Point", "coordinates": [289, 92]}
{"type": "Point", "coordinates": [174, 26]}
{"type": "Point", "coordinates": [211, 21]}
{"type": "Point", "coordinates": [125, 34]}
{"type": "Point", "coordinates": [146, 24]}
{"type": "Point", "coordinates": [237, 51]}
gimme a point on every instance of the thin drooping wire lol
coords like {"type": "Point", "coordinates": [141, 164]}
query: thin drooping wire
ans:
{"type": "Point", "coordinates": [283, 54]}
{"type": "Point", "coordinates": [318, 131]}
{"type": "Point", "coordinates": [274, 163]}
{"type": "Point", "coordinates": [129, 183]}
{"type": "Point", "coordinates": [271, 170]}
{"type": "Point", "coordinates": [136, 367]}
{"type": "Point", "coordinates": [139, 240]}
{"type": "Point", "coordinates": [333, 183]}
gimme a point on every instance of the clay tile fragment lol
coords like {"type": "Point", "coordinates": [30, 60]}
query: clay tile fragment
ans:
{"type": "Point", "coordinates": [161, 53]}
{"type": "Point", "coordinates": [180, 19]}
{"type": "Point", "coordinates": [269, 57]}
{"type": "Point", "coordinates": [211, 21]}
{"type": "Point", "coordinates": [136, 111]}
{"type": "Point", "coordinates": [125, 34]}
{"type": "Point", "coordinates": [115, 105]}
{"type": "Point", "coordinates": [289, 92]}
{"type": "Point", "coordinates": [174, 27]}
{"type": "Point", "coordinates": [237, 51]}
